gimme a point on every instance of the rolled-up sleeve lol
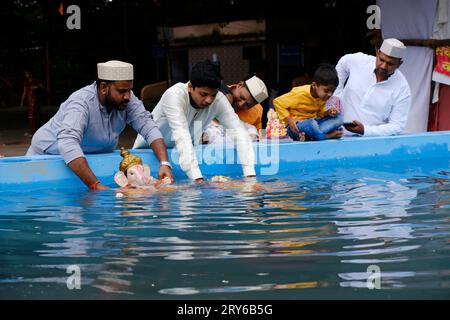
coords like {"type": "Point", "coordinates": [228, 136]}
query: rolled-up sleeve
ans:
{"type": "Point", "coordinates": [141, 121]}
{"type": "Point", "coordinates": [71, 132]}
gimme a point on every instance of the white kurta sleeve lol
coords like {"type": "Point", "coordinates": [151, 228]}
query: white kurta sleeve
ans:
{"type": "Point", "coordinates": [396, 122]}
{"type": "Point", "coordinates": [231, 122]}
{"type": "Point", "coordinates": [343, 71]}
{"type": "Point", "coordinates": [172, 103]}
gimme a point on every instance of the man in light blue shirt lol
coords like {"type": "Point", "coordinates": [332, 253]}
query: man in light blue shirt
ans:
{"type": "Point", "coordinates": [91, 120]}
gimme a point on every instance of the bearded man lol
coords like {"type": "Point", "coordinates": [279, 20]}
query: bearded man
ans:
{"type": "Point", "coordinates": [375, 95]}
{"type": "Point", "coordinates": [91, 120]}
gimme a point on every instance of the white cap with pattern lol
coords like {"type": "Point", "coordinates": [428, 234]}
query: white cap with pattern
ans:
{"type": "Point", "coordinates": [115, 70]}
{"type": "Point", "coordinates": [393, 48]}
{"type": "Point", "coordinates": [257, 89]}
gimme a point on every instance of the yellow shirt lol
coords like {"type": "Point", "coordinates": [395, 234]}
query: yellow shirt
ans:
{"type": "Point", "coordinates": [299, 104]}
{"type": "Point", "coordinates": [252, 116]}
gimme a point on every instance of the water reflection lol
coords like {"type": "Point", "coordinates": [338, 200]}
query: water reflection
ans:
{"type": "Point", "coordinates": [237, 289]}
{"type": "Point", "coordinates": [374, 209]}
{"type": "Point", "coordinates": [302, 232]}
{"type": "Point", "coordinates": [393, 212]}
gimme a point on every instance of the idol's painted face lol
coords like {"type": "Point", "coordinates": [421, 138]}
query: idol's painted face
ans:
{"type": "Point", "coordinates": [203, 97]}
{"type": "Point", "coordinates": [385, 65]}
{"type": "Point", "coordinates": [136, 176]}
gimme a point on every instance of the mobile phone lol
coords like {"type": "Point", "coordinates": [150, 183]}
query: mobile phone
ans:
{"type": "Point", "coordinates": [350, 124]}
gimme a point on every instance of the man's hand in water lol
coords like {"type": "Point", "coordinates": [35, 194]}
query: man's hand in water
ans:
{"type": "Point", "coordinates": [165, 172]}
{"type": "Point", "coordinates": [101, 186]}
{"type": "Point", "coordinates": [200, 181]}
{"type": "Point", "coordinates": [163, 182]}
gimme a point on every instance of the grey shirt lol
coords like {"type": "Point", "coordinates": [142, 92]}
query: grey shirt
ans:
{"type": "Point", "coordinates": [83, 125]}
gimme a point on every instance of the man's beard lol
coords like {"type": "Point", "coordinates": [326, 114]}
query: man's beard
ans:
{"type": "Point", "coordinates": [383, 73]}
{"type": "Point", "coordinates": [110, 104]}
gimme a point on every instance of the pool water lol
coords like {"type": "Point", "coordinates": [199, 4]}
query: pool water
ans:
{"type": "Point", "coordinates": [322, 233]}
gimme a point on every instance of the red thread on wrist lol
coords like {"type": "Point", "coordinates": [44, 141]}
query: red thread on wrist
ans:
{"type": "Point", "coordinates": [94, 185]}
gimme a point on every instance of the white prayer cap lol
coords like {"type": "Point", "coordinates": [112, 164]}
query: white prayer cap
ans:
{"type": "Point", "coordinates": [393, 48]}
{"type": "Point", "coordinates": [257, 89]}
{"type": "Point", "coordinates": [114, 70]}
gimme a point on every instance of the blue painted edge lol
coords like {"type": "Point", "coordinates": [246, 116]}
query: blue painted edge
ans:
{"type": "Point", "coordinates": [272, 158]}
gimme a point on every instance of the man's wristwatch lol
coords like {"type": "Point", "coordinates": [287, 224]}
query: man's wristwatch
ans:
{"type": "Point", "coordinates": [165, 163]}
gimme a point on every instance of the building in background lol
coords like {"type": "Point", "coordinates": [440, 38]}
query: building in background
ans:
{"type": "Point", "coordinates": [237, 45]}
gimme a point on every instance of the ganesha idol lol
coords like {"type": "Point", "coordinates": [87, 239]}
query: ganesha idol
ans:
{"type": "Point", "coordinates": [133, 174]}
{"type": "Point", "coordinates": [275, 128]}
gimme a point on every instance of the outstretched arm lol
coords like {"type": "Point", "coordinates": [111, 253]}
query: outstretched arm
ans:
{"type": "Point", "coordinates": [159, 148]}
{"type": "Point", "coordinates": [173, 103]}
{"type": "Point", "coordinates": [142, 121]}
{"type": "Point", "coordinates": [69, 137]}
{"type": "Point", "coordinates": [81, 168]}
{"type": "Point", "coordinates": [244, 146]}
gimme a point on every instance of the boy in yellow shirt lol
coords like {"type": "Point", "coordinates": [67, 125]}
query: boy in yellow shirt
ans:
{"type": "Point", "coordinates": [304, 108]}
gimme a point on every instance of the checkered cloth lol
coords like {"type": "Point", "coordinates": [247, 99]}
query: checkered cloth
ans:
{"type": "Point", "coordinates": [334, 102]}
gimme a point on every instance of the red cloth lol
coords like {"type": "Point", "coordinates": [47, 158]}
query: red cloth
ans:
{"type": "Point", "coordinates": [439, 119]}
{"type": "Point", "coordinates": [443, 61]}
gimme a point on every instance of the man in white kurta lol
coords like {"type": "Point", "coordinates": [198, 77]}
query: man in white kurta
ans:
{"type": "Point", "coordinates": [375, 95]}
{"type": "Point", "coordinates": [186, 109]}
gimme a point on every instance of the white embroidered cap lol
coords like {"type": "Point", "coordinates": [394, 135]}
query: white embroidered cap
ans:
{"type": "Point", "coordinates": [257, 89]}
{"type": "Point", "coordinates": [393, 48]}
{"type": "Point", "coordinates": [115, 70]}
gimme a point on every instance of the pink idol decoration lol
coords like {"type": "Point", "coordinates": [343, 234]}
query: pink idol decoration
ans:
{"type": "Point", "coordinates": [133, 174]}
{"type": "Point", "coordinates": [275, 128]}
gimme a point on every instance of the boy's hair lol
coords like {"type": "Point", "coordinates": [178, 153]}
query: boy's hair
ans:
{"type": "Point", "coordinates": [326, 74]}
{"type": "Point", "coordinates": [206, 74]}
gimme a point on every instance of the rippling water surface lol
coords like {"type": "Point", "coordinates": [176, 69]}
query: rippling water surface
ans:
{"type": "Point", "coordinates": [316, 233]}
